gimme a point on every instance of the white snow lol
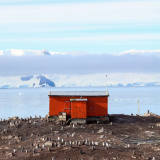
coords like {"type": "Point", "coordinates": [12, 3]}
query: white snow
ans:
{"type": "Point", "coordinates": [140, 52]}
{"type": "Point", "coordinates": [17, 52]}
{"type": "Point", "coordinates": [113, 79]}
{"type": "Point", "coordinates": [1, 52]}
{"type": "Point", "coordinates": [16, 82]}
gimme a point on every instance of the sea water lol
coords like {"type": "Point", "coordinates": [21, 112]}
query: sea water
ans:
{"type": "Point", "coordinates": [25, 102]}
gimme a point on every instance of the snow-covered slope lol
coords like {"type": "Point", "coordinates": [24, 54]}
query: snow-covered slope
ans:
{"type": "Point", "coordinates": [113, 79]}
{"type": "Point", "coordinates": [25, 82]}
{"type": "Point", "coordinates": [23, 52]}
{"type": "Point", "coordinates": [20, 52]}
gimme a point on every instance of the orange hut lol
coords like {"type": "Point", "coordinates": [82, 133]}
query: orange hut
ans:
{"type": "Point", "coordinates": [80, 106]}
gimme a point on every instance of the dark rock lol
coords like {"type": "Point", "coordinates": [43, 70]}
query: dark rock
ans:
{"type": "Point", "coordinates": [27, 78]}
{"type": "Point", "coordinates": [44, 80]}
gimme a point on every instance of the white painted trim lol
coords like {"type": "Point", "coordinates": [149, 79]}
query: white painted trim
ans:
{"type": "Point", "coordinates": [78, 100]}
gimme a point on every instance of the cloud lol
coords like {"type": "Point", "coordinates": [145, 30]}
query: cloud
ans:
{"type": "Point", "coordinates": [111, 12]}
{"type": "Point", "coordinates": [110, 38]}
{"type": "Point", "coordinates": [80, 25]}
{"type": "Point", "coordinates": [79, 64]}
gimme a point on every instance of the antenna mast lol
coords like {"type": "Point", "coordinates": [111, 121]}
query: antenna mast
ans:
{"type": "Point", "coordinates": [106, 83]}
{"type": "Point", "coordinates": [138, 108]}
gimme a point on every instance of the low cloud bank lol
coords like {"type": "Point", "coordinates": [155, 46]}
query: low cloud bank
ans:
{"type": "Point", "coordinates": [81, 64]}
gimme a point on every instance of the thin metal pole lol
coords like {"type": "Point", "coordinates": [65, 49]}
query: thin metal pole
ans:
{"type": "Point", "coordinates": [138, 108]}
{"type": "Point", "coordinates": [106, 83]}
{"type": "Point", "coordinates": [107, 96]}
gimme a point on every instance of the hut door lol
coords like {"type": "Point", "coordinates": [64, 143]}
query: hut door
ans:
{"type": "Point", "coordinates": [78, 109]}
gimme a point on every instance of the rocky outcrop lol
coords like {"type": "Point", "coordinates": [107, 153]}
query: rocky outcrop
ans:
{"type": "Point", "coordinates": [44, 81]}
{"type": "Point", "coordinates": [27, 78]}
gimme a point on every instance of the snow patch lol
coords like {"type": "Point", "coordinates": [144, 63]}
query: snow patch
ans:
{"type": "Point", "coordinates": [139, 52]}
{"type": "Point", "coordinates": [1, 52]}
{"type": "Point", "coordinates": [17, 52]}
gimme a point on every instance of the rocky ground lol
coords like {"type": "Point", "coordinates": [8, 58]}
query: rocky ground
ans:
{"type": "Point", "coordinates": [124, 137]}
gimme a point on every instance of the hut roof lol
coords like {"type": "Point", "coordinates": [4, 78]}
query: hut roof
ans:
{"type": "Point", "coordinates": [78, 93]}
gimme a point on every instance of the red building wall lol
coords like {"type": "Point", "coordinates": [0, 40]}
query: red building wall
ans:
{"type": "Point", "coordinates": [96, 106]}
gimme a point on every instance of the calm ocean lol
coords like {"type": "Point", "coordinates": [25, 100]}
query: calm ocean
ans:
{"type": "Point", "coordinates": [34, 101]}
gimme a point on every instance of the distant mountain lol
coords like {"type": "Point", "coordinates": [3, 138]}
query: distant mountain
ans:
{"type": "Point", "coordinates": [5, 86]}
{"type": "Point", "coordinates": [27, 78]}
{"type": "Point", "coordinates": [44, 81]}
{"type": "Point", "coordinates": [117, 79]}
{"type": "Point", "coordinates": [113, 79]}
{"type": "Point", "coordinates": [26, 82]}
{"type": "Point", "coordinates": [45, 52]}
{"type": "Point", "coordinates": [20, 52]}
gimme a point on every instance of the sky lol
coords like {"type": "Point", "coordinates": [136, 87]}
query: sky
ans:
{"type": "Point", "coordinates": [83, 37]}
{"type": "Point", "coordinates": [112, 26]}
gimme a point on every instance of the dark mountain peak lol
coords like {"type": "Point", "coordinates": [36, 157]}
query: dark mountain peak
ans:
{"type": "Point", "coordinates": [27, 78]}
{"type": "Point", "coordinates": [44, 80]}
{"type": "Point", "coordinates": [45, 52]}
